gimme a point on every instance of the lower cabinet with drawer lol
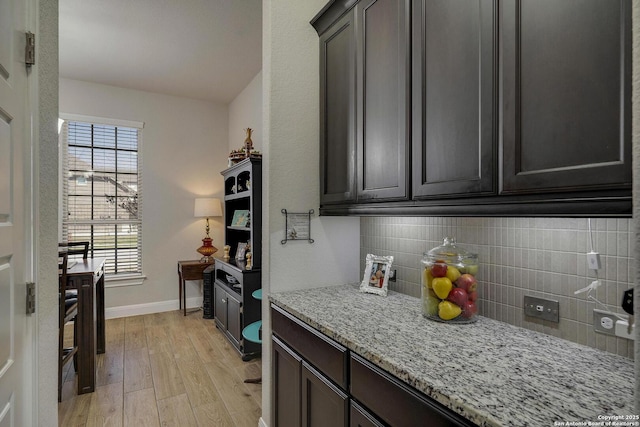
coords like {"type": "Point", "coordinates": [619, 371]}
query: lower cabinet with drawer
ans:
{"type": "Point", "coordinates": [319, 382]}
{"type": "Point", "coordinates": [309, 375]}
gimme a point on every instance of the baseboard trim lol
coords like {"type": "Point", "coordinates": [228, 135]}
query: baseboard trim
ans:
{"type": "Point", "coordinates": [261, 423]}
{"type": "Point", "coordinates": [149, 308]}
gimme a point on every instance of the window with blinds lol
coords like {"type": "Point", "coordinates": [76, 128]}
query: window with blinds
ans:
{"type": "Point", "coordinates": [102, 192]}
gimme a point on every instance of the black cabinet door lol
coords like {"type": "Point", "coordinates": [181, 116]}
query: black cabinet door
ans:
{"type": "Point", "coordinates": [220, 298]}
{"type": "Point", "coordinates": [286, 370]}
{"type": "Point", "coordinates": [337, 112]}
{"type": "Point", "coordinates": [383, 70]}
{"type": "Point", "coordinates": [234, 319]}
{"type": "Point", "coordinates": [566, 98]}
{"type": "Point", "coordinates": [454, 137]}
{"type": "Point", "coordinates": [323, 404]}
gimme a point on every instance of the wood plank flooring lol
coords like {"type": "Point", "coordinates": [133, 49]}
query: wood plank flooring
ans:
{"type": "Point", "coordinates": [165, 369]}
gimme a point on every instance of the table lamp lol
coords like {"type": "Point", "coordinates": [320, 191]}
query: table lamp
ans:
{"type": "Point", "coordinates": [207, 208]}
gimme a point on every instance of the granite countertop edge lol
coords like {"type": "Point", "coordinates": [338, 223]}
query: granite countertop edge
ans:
{"type": "Point", "coordinates": [331, 310]}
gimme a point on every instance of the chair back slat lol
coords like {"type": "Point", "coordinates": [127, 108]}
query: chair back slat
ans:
{"type": "Point", "coordinates": [75, 248]}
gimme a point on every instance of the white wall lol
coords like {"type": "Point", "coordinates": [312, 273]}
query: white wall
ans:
{"type": "Point", "coordinates": [245, 111]}
{"type": "Point", "coordinates": [46, 214]}
{"type": "Point", "coordinates": [291, 167]}
{"type": "Point", "coordinates": [184, 148]}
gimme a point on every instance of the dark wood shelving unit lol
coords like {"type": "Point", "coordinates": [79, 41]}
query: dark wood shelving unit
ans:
{"type": "Point", "coordinates": [234, 306]}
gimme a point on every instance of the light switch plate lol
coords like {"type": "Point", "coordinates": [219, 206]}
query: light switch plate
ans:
{"type": "Point", "coordinates": [542, 308]}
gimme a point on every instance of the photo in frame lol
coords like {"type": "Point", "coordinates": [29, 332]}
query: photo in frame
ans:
{"type": "Point", "coordinates": [240, 252]}
{"type": "Point", "coordinates": [376, 274]}
{"type": "Point", "coordinates": [240, 218]}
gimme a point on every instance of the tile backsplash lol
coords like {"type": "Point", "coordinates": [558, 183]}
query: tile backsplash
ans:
{"type": "Point", "coordinates": [541, 257]}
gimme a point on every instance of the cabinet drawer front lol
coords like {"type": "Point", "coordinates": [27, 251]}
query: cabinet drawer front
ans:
{"type": "Point", "coordinates": [327, 355]}
{"type": "Point", "coordinates": [375, 388]}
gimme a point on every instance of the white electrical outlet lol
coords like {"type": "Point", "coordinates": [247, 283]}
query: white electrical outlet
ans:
{"type": "Point", "coordinates": [606, 322]}
{"type": "Point", "coordinates": [593, 260]}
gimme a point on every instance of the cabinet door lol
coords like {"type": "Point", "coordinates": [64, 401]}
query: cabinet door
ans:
{"type": "Point", "coordinates": [234, 318]}
{"type": "Point", "coordinates": [454, 136]}
{"type": "Point", "coordinates": [220, 297]}
{"type": "Point", "coordinates": [323, 404]}
{"type": "Point", "coordinates": [286, 385]}
{"type": "Point", "coordinates": [383, 83]}
{"type": "Point", "coordinates": [566, 95]}
{"type": "Point", "coordinates": [337, 112]}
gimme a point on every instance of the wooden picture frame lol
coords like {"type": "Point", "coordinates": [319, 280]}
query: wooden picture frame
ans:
{"type": "Point", "coordinates": [376, 274]}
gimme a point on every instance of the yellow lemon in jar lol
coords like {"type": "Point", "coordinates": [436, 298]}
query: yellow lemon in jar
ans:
{"type": "Point", "coordinates": [453, 273]}
{"type": "Point", "coordinates": [442, 286]}
{"type": "Point", "coordinates": [448, 310]}
{"type": "Point", "coordinates": [427, 278]}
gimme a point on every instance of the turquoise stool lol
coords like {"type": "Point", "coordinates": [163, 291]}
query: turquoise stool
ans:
{"type": "Point", "coordinates": [252, 332]}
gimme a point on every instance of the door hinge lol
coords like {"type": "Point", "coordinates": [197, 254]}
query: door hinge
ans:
{"type": "Point", "coordinates": [30, 49]}
{"type": "Point", "coordinates": [31, 297]}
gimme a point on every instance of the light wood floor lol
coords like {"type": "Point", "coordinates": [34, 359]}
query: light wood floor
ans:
{"type": "Point", "coordinates": [165, 369]}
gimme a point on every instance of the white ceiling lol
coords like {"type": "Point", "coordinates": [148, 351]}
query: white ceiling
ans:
{"type": "Point", "coordinates": [203, 49]}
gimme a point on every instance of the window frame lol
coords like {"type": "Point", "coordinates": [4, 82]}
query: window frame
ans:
{"type": "Point", "coordinates": [119, 279]}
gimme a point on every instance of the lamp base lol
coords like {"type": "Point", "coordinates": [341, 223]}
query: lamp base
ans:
{"type": "Point", "coordinates": [207, 250]}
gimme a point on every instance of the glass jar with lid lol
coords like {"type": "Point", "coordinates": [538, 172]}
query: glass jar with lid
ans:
{"type": "Point", "coordinates": [449, 285]}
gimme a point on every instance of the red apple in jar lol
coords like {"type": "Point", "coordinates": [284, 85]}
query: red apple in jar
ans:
{"type": "Point", "coordinates": [439, 269]}
{"type": "Point", "coordinates": [458, 296]}
{"type": "Point", "coordinates": [469, 309]}
{"type": "Point", "coordinates": [473, 296]}
{"type": "Point", "coordinates": [467, 282]}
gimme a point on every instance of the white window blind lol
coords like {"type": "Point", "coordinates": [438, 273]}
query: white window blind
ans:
{"type": "Point", "coordinates": [102, 192]}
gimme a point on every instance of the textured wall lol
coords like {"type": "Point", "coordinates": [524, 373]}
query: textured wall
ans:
{"type": "Point", "coordinates": [46, 212]}
{"type": "Point", "coordinates": [543, 257]}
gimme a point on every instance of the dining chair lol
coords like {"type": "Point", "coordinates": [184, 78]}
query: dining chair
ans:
{"type": "Point", "coordinates": [68, 310]}
{"type": "Point", "coordinates": [73, 249]}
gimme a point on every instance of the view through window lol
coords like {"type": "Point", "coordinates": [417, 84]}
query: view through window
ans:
{"type": "Point", "coordinates": [101, 193]}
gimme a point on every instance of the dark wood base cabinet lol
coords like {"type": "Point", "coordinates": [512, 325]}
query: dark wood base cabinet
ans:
{"type": "Point", "coordinates": [318, 382]}
{"type": "Point", "coordinates": [234, 307]}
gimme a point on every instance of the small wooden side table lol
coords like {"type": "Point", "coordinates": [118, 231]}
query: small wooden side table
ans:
{"type": "Point", "coordinates": [189, 270]}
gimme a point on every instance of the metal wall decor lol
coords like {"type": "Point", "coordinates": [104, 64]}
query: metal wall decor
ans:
{"type": "Point", "coordinates": [297, 226]}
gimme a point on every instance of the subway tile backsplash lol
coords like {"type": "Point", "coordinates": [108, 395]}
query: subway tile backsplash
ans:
{"type": "Point", "coordinates": [541, 257]}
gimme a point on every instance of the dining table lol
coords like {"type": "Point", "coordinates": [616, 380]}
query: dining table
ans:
{"type": "Point", "coordinates": [87, 276]}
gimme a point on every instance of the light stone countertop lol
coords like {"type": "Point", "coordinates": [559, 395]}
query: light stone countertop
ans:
{"type": "Point", "coordinates": [490, 372]}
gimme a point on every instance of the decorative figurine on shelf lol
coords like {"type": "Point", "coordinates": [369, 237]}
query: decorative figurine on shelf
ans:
{"type": "Point", "coordinates": [248, 264]}
{"type": "Point", "coordinates": [245, 152]}
{"type": "Point", "coordinates": [226, 256]}
{"type": "Point", "coordinates": [248, 144]}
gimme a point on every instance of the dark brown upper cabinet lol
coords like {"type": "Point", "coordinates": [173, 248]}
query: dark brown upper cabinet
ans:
{"type": "Point", "coordinates": [476, 108]}
{"type": "Point", "coordinates": [566, 95]}
{"type": "Point", "coordinates": [454, 98]}
{"type": "Point", "coordinates": [383, 99]}
{"type": "Point", "coordinates": [338, 112]}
